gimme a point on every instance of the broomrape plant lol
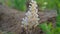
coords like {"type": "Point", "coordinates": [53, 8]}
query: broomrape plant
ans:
{"type": "Point", "coordinates": [31, 19]}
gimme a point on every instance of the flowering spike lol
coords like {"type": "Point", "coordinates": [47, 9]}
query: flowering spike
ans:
{"type": "Point", "coordinates": [31, 19]}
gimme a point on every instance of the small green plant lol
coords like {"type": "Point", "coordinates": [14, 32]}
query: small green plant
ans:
{"type": "Point", "coordinates": [46, 28]}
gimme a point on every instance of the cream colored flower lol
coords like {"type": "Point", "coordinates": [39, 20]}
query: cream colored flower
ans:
{"type": "Point", "coordinates": [31, 18]}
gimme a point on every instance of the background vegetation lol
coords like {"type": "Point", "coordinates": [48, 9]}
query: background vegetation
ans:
{"type": "Point", "coordinates": [43, 4]}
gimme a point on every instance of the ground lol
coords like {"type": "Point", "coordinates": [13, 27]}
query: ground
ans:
{"type": "Point", "coordinates": [10, 20]}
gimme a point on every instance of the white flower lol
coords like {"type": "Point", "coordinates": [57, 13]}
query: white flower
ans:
{"type": "Point", "coordinates": [26, 19]}
{"type": "Point", "coordinates": [36, 15]}
{"type": "Point", "coordinates": [35, 5]}
{"type": "Point", "coordinates": [29, 6]}
{"type": "Point", "coordinates": [22, 18]}
{"type": "Point", "coordinates": [36, 10]}
{"type": "Point", "coordinates": [30, 3]}
{"type": "Point", "coordinates": [31, 18]}
{"type": "Point", "coordinates": [28, 13]}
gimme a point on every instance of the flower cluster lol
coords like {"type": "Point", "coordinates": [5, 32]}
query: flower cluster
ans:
{"type": "Point", "coordinates": [31, 19]}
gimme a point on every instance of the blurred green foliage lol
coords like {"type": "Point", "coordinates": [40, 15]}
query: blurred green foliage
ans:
{"type": "Point", "coordinates": [46, 28]}
{"type": "Point", "coordinates": [43, 4]}
{"type": "Point", "coordinates": [20, 4]}
{"type": "Point", "coordinates": [17, 4]}
{"type": "Point", "coordinates": [58, 21]}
